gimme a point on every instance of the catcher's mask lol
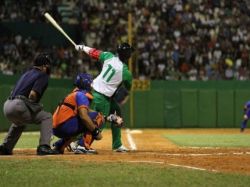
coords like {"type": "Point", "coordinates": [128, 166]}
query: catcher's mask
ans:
{"type": "Point", "coordinates": [124, 51]}
{"type": "Point", "coordinates": [83, 81]}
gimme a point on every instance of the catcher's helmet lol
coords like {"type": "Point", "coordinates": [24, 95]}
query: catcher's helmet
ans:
{"type": "Point", "coordinates": [42, 59]}
{"type": "Point", "coordinates": [83, 81]}
{"type": "Point", "coordinates": [124, 51]}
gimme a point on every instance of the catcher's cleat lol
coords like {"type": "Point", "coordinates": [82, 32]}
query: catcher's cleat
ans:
{"type": "Point", "coordinates": [121, 149]}
{"type": "Point", "coordinates": [77, 149]}
{"type": "Point", "coordinates": [80, 151]}
{"type": "Point", "coordinates": [83, 150]}
{"type": "Point", "coordinates": [72, 146]}
{"type": "Point", "coordinates": [92, 151]}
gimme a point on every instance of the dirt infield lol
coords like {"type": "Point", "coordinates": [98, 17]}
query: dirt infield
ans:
{"type": "Point", "coordinates": [151, 147]}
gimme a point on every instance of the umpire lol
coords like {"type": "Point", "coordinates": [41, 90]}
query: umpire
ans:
{"type": "Point", "coordinates": [23, 107]}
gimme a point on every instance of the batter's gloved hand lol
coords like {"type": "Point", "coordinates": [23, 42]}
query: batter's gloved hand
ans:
{"type": "Point", "coordinates": [115, 119]}
{"type": "Point", "coordinates": [79, 47]}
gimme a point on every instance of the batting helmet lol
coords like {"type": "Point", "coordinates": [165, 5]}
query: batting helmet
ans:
{"type": "Point", "coordinates": [124, 51]}
{"type": "Point", "coordinates": [42, 59]}
{"type": "Point", "coordinates": [83, 81]}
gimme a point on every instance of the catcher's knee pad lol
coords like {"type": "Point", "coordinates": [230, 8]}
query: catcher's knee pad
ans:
{"type": "Point", "coordinates": [86, 140]}
{"type": "Point", "coordinates": [97, 118]}
{"type": "Point", "coordinates": [93, 115]}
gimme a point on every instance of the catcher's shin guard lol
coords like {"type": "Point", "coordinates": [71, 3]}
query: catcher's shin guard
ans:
{"type": "Point", "coordinates": [87, 140]}
{"type": "Point", "coordinates": [61, 144]}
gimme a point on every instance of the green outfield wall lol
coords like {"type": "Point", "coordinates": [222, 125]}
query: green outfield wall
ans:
{"type": "Point", "coordinates": [187, 104]}
{"type": "Point", "coordinates": [165, 104]}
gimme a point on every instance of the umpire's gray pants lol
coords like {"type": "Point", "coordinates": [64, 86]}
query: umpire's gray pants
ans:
{"type": "Point", "coordinates": [17, 112]}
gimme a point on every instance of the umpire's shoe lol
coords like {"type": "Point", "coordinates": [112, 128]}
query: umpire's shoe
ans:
{"type": "Point", "coordinates": [46, 150]}
{"type": "Point", "coordinates": [5, 151]}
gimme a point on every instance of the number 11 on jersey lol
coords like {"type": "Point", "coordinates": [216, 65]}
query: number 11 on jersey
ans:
{"type": "Point", "coordinates": [109, 73]}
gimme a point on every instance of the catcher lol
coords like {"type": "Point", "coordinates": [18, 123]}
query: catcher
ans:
{"type": "Point", "coordinates": [73, 117]}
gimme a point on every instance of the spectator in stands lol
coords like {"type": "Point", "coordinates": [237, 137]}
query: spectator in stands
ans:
{"type": "Point", "coordinates": [188, 33]}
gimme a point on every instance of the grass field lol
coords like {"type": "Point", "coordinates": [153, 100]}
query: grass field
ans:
{"type": "Point", "coordinates": [98, 170]}
{"type": "Point", "coordinates": [50, 172]}
{"type": "Point", "coordinates": [211, 140]}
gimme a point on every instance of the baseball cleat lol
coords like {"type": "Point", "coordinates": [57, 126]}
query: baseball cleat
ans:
{"type": "Point", "coordinates": [242, 129]}
{"type": "Point", "coordinates": [46, 150]}
{"type": "Point", "coordinates": [77, 149]}
{"type": "Point", "coordinates": [121, 149]}
{"type": "Point", "coordinates": [4, 151]}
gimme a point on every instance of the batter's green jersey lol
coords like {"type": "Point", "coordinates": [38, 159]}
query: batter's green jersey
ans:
{"type": "Point", "coordinates": [114, 72]}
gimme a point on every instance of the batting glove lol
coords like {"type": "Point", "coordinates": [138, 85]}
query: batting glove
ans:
{"type": "Point", "coordinates": [116, 119]}
{"type": "Point", "coordinates": [79, 47]}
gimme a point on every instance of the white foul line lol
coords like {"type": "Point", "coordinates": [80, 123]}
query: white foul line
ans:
{"type": "Point", "coordinates": [191, 167]}
{"type": "Point", "coordinates": [175, 165]}
{"type": "Point", "coordinates": [146, 161]}
{"type": "Point", "coordinates": [194, 154]}
{"type": "Point", "coordinates": [131, 142]}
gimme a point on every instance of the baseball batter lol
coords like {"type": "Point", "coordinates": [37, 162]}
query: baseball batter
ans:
{"type": "Point", "coordinates": [114, 73]}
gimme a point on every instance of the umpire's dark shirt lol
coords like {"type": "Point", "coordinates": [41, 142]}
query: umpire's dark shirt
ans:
{"type": "Point", "coordinates": [33, 79]}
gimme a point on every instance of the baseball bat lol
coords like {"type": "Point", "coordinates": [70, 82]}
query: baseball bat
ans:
{"type": "Point", "coordinates": [58, 27]}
